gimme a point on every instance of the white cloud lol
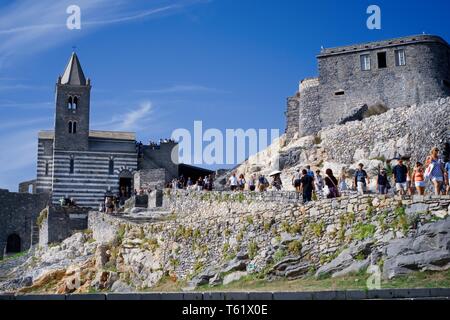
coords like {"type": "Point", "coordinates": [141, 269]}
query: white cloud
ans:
{"type": "Point", "coordinates": [29, 26]}
{"type": "Point", "coordinates": [133, 120]}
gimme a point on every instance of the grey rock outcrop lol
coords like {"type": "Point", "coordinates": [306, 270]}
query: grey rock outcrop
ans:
{"type": "Point", "coordinates": [347, 260]}
{"type": "Point", "coordinates": [429, 249]}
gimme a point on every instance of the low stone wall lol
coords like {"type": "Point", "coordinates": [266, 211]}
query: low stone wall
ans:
{"type": "Point", "coordinates": [18, 213]}
{"type": "Point", "coordinates": [208, 229]}
{"type": "Point", "coordinates": [57, 223]}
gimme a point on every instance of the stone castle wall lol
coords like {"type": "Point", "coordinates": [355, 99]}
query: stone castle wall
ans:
{"type": "Point", "coordinates": [18, 213]}
{"type": "Point", "coordinates": [343, 86]}
{"type": "Point", "coordinates": [209, 229]}
{"type": "Point", "coordinates": [419, 81]}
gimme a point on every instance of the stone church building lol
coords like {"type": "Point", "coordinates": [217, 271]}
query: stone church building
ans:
{"type": "Point", "coordinates": [76, 162]}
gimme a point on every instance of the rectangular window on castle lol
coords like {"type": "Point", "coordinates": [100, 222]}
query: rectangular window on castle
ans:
{"type": "Point", "coordinates": [400, 58]}
{"type": "Point", "coordinates": [382, 60]}
{"type": "Point", "coordinates": [365, 62]}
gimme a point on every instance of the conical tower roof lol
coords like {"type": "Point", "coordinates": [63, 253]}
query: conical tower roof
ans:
{"type": "Point", "coordinates": [73, 75]}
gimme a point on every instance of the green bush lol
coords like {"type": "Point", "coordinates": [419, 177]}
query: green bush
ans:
{"type": "Point", "coordinates": [42, 216]}
{"type": "Point", "coordinates": [279, 255]}
{"type": "Point", "coordinates": [295, 228]}
{"type": "Point", "coordinates": [252, 249]}
{"type": "Point", "coordinates": [318, 228]}
{"type": "Point", "coordinates": [363, 231]}
{"type": "Point", "coordinates": [295, 247]}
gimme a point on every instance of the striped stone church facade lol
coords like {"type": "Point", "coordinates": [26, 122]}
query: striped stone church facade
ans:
{"type": "Point", "coordinates": [76, 162]}
{"type": "Point", "coordinates": [85, 175]}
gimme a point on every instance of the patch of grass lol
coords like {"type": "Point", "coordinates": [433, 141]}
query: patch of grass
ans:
{"type": "Point", "coordinates": [240, 236]}
{"type": "Point", "coordinates": [42, 216]}
{"type": "Point", "coordinates": [198, 266]}
{"type": "Point", "coordinates": [279, 255]}
{"type": "Point", "coordinates": [363, 231]}
{"type": "Point", "coordinates": [267, 226]}
{"type": "Point", "coordinates": [382, 221]}
{"type": "Point", "coordinates": [318, 228]}
{"type": "Point", "coordinates": [295, 247]}
{"type": "Point", "coordinates": [120, 234]}
{"type": "Point", "coordinates": [295, 228]}
{"type": "Point", "coordinates": [14, 256]}
{"type": "Point", "coordinates": [317, 139]}
{"type": "Point", "coordinates": [401, 222]}
{"type": "Point", "coordinates": [252, 249]}
{"type": "Point", "coordinates": [250, 220]}
{"type": "Point", "coordinates": [197, 234]}
{"type": "Point", "coordinates": [285, 226]}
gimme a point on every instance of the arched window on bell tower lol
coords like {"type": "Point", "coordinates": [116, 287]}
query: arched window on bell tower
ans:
{"type": "Point", "coordinates": [75, 103]}
{"type": "Point", "coordinates": [72, 127]}
{"type": "Point", "coordinates": [69, 103]}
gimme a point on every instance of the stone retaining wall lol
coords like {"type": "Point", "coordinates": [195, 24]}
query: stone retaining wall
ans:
{"type": "Point", "coordinates": [208, 229]}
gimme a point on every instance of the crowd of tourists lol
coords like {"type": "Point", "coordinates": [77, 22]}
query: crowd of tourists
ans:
{"type": "Point", "coordinates": [401, 179]}
{"type": "Point", "coordinates": [205, 183]}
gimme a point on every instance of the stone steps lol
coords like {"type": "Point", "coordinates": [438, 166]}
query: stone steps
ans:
{"type": "Point", "coordinates": [34, 234]}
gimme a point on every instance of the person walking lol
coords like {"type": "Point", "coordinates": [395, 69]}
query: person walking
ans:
{"type": "Point", "coordinates": [310, 172]}
{"type": "Point", "coordinates": [233, 181]}
{"type": "Point", "coordinates": [342, 181]}
{"type": "Point", "coordinates": [189, 183]}
{"type": "Point", "coordinates": [199, 184]}
{"type": "Point", "coordinates": [296, 181]}
{"type": "Point", "coordinates": [262, 183]}
{"type": "Point", "coordinates": [418, 178]}
{"type": "Point", "coordinates": [318, 183]}
{"type": "Point", "coordinates": [276, 182]}
{"type": "Point", "coordinates": [306, 186]}
{"type": "Point", "coordinates": [252, 182]}
{"type": "Point", "coordinates": [331, 182]}
{"type": "Point", "coordinates": [361, 179]}
{"type": "Point", "coordinates": [382, 182]}
{"type": "Point", "coordinates": [400, 172]}
{"type": "Point", "coordinates": [241, 182]}
{"type": "Point", "coordinates": [435, 170]}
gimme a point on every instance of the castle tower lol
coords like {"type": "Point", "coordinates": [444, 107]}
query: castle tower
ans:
{"type": "Point", "coordinates": [72, 108]}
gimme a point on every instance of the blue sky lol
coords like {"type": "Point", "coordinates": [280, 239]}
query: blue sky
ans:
{"type": "Point", "coordinates": [159, 65]}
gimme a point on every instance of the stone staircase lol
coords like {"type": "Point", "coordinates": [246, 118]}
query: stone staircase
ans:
{"type": "Point", "coordinates": [34, 234]}
{"type": "Point", "coordinates": [148, 215]}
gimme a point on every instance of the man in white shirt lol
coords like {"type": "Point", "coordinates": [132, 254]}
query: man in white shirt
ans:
{"type": "Point", "coordinates": [233, 182]}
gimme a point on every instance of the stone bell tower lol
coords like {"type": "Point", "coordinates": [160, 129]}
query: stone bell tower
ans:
{"type": "Point", "coordinates": [72, 108]}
